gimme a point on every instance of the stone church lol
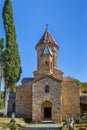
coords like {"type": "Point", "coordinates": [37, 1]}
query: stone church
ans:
{"type": "Point", "coordinates": [48, 95]}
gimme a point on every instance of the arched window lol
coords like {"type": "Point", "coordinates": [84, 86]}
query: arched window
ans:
{"type": "Point", "coordinates": [46, 89]}
{"type": "Point", "coordinates": [46, 62]}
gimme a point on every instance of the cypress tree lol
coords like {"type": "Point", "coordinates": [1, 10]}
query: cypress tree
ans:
{"type": "Point", "coordinates": [1, 49]}
{"type": "Point", "coordinates": [1, 61]}
{"type": "Point", "coordinates": [12, 58]}
{"type": "Point", "coordinates": [1, 44]}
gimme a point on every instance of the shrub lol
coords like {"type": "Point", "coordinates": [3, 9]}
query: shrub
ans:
{"type": "Point", "coordinates": [1, 104]}
{"type": "Point", "coordinates": [13, 125]}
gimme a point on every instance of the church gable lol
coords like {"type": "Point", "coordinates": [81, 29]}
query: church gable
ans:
{"type": "Point", "coordinates": [46, 89]}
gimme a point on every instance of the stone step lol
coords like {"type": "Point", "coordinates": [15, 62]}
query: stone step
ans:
{"type": "Point", "coordinates": [42, 129]}
{"type": "Point", "coordinates": [47, 122]}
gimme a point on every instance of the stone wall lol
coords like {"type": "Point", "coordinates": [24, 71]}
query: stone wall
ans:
{"type": "Point", "coordinates": [24, 100]}
{"type": "Point", "coordinates": [11, 103]}
{"type": "Point", "coordinates": [53, 97]}
{"type": "Point", "coordinates": [70, 98]}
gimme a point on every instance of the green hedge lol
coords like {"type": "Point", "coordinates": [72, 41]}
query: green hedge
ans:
{"type": "Point", "coordinates": [1, 104]}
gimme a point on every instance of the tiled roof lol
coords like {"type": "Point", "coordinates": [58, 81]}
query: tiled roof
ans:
{"type": "Point", "coordinates": [83, 98]}
{"type": "Point", "coordinates": [47, 38]}
{"type": "Point", "coordinates": [67, 79]}
{"type": "Point", "coordinates": [12, 95]}
{"type": "Point", "coordinates": [25, 80]}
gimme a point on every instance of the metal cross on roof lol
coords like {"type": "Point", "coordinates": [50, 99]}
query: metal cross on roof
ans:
{"type": "Point", "coordinates": [47, 26]}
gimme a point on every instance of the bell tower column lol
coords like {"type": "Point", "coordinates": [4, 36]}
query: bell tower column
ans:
{"type": "Point", "coordinates": [47, 57]}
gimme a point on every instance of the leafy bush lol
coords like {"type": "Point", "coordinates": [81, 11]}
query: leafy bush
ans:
{"type": "Point", "coordinates": [83, 87]}
{"type": "Point", "coordinates": [2, 93]}
{"type": "Point", "coordinates": [1, 104]}
{"type": "Point", "coordinates": [13, 125]}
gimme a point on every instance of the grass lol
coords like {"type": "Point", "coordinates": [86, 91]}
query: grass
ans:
{"type": "Point", "coordinates": [76, 126]}
{"type": "Point", "coordinates": [5, 124]}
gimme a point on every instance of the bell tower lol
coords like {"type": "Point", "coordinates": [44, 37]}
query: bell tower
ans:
{"type": "Point", "coordinates": [46, 55]}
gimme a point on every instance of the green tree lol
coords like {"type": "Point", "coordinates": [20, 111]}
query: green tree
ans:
{"type": "Point", "coordinates": [1, 49]}
{"type": "Point", "coordinates": [13, 88]}
{"type": "Point", "coordinates": [1, 44]}
{"type": "Point", "coordinates": [83, 87]}
{"type": "Point", "coordinates": [1, 61]}
{"type": "Point", "coordinates": [12, 58]}
{"type": "Point", "coordinates": [77, 82]}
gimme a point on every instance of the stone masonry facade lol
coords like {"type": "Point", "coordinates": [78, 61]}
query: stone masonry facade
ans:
{"type": "Point", "coordinates": [70, 98]}
{"type": "Point", "coordinates": [24, 101]}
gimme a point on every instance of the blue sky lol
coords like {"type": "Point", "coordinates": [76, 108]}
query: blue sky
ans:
{"type": "Point", "coordinates": [67, 21]}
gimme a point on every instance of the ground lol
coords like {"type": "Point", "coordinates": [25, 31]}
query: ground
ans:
{"type": "Point", "coordinates": [4, 125]}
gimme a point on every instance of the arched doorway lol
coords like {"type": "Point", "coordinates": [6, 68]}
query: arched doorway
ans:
{"type": "Point", "coordinates": [47, 110]}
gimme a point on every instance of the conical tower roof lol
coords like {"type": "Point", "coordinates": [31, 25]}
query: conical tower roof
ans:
{"type": "Point", "coordinates": [47, 38]}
